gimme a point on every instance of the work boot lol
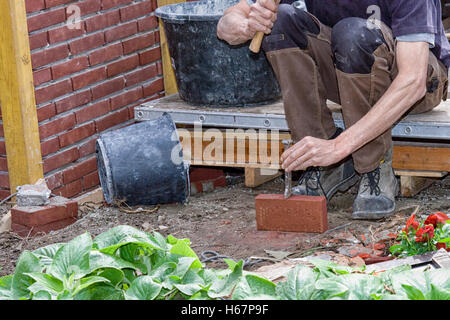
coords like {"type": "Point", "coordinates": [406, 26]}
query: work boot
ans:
{"type": "Point", "coordinates": [377, 191]}
{"type": "Point", "coordinates": [326, 181]}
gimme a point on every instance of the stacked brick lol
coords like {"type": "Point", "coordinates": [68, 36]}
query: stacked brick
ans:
{"type": "Point", "coordinates": [89, 74]}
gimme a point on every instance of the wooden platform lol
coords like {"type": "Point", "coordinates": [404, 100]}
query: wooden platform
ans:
{"type": "Point", "coordinates": [253, 142]}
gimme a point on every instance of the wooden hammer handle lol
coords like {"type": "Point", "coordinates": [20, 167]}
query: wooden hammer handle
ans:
{"type": "Point", "coordinates": [255, 45]}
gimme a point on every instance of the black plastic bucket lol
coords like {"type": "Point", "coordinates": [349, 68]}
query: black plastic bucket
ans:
{"type": "Point", "coordinates": [208, 71]}
{"type": "Point", "coordinates": [143, 164]}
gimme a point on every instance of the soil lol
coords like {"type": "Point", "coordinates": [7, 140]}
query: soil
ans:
{"type": "Point", "coordinates": [223, 221]}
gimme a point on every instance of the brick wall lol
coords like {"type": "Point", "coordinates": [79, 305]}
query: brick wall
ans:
{"type": "Point", "coordinates": [87, 80]}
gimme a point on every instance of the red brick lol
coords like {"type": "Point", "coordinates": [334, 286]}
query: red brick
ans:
{"type": "Point", "coordinates": [135, 11]}
{"type": "Point", "coordinates": [73, 188]}
{"type": "Point", "coordinates": [102, 21]}
{"type": "Point", "coordinates": [46, 19]}
{"type": "Point", "coordinates": [49, 146]}
{"type": "Point", "coordinates": [296, 214]}
{"type": "Point", "coordinates": [57, 209]}
{"type": "Point", "coordinates": [121, 31]}
{"type": "Point", "coordinates": [150, 56]}
{"type": "Point", "coordinates": [126, 98]}
{"type": "Point", "coordinates": [141, 75]}
{"type": "Point", "coordinates": [54, 3]}
{"type": "Point", "coordinates": [4, 180]}
{"type": "Point", "coordinates": [147, 23]}
{"type": "Point", "coordinates": [53, 91]}
{"type": "Point", "coordinates": [42, 76]}
{"type": "Point", "coordinates": [74, 100]}
{"type": "Point", "coordinates": [87, 148]}
{"type": "Point", "coordinates": [3, 164]}
{"type": "Point", "coordinates": [138, 43]}
{"type": "Point", "coordinates": [204, 174]}
{"type": "Point", "coordinates": [24, 231]}
{"type": "Point", "coordinates": [44, 57]}
{"type": "Point", "coordinates": [106, 54]}
{"type": "Point", "coordinates": [68, 67]}
{"type": "Point", "coordinates": [64, 33]}
{"type": "Point", "coordinates": [154, 87]}
{"type": "Point", "coordinates": [38, 40]}
{"type": "Point", "coordinates": [108, 88]}
{"type": "Point", "coordinates": [54, 181]}
{"type": "Point", "coordinates": [93, 111]}
{"type": "Point", "coordinates": [108, 4]}
{"type": "Point", "coordinates": [56, 126]}
{"type": "Point", "coordinates": [34, 5]}
{"type": "Point", "coordinates": [2, 147]}
{"type": "Point", "coordinates": [80, 170]}
{"type": "Point", "coordinates": [89, 6]}
{"type": "Point", "coordinates": [60, 159]}
{"type": "Point", "coordinates": [112, 119]}
{"type": "Point", "coordinates": [91, 180]}
{"type": "Point", "coordinates": [87, 43]}
{"type": "Point", "coordinates": [77, 134]}
{"type": "Point", "coordinates": [123, 65]}
{"type": "Point", "coordinates": [87, 78]}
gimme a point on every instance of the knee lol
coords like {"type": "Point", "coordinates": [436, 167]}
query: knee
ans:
{"type": "Point", "coordinates": [353, 43]}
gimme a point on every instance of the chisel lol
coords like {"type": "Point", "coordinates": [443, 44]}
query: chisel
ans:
{"type": "Point", "coordinates": [287, 175]}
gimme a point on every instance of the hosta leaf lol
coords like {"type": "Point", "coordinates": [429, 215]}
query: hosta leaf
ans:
{"type": "Point", "coordinates": [299, 285]}
{"type": "Point", "coordinates": [182, 248]}
{"type": "Point", "coordinates": [413, 293]}
{"type": "Point", "coordinates": [115, 276]}
{"type": "Point", "coordinates": [119, 236]}
{"type": "Point", "coordinates": [254, 287]}
{"type": "Point", "coordinates": [100, 291]}
{"type": "Point", "coordinates": [89, 281]}
{"type": "Point", "coordinates": [47, 281]}
{"type": "Point", "coordinates": [27, 263]}
{"type": "Point", "coordinates": [5, 287]}
{"type": "Point", "coordinates": [47, 253]}
{"type": "Point", "coordinates": [72, 258]}
{"type": "Point", "coordinates": [437, 293]}
{"type": "Point", "coordinates": [98, 260]}
{"type": "Point", "coordinates": [351, 287]}
{"type": "Point", "coordinates": [42, 295]}
{"type": "Point", "coordinates": [143, 288]}
{"type": "Point", "coordinates": [224, 286]}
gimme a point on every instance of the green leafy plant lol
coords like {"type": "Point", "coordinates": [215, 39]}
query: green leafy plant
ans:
{"type": "Point", "coordinates": [125, 263]}
{"type": "Point", "coordinates": [420, 237]}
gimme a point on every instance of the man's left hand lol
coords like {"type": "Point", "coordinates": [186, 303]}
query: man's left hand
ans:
{"type": "Point", "coordinates": [311, 152]}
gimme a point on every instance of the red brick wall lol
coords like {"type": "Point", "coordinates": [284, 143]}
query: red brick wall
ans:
{"type": "Point", "coordinates": [87, 80]}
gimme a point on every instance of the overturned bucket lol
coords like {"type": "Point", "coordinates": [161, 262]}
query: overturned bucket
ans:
{"type": "Point", "coordinates": [143, 164]}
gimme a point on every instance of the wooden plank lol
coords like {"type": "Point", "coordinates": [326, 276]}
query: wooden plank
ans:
{"type": "Point", "coordinates": [20, 122]}
{"type": "Point", "coordinates": [254, 177]}
{"type": "Point", "coordinates": [170, 84]}
{"type": "Point", "coordinates": [417, 173]}
{"type": "Point", "coordinates": [421, 158]}
{"type": "Point", "coordinates": [410, 186]}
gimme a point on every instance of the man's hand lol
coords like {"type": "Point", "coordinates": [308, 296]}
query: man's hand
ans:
{"type": "Point", "coordinates": [262, 16]}
{"type": "Point", "coordinates": [311, 152]}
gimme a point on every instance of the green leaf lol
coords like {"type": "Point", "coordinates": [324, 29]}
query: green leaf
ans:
{"type": "Point", "coordinates": [351, 287]}
{"type": "Point", "coordinates": [47, 281]}
{"type": "Point", "coordinates": [438, 293]}
{"type": "Point", "coordinates": [42, 295]}
{"type": "Point", "coordinates": [72, 258]}
{"type": "Point", "coordinates": [87, 282]}
{"type": "Point", "coordinates": [182, 248]}
{"type": "Point", "coordinates": [119, 236]}
{"type": "Point", "coordinates": [27, 263]}
{"type": "Point", "coordinates": [98, 260]}
{"type": "Point", "coordinates": [299, 285]}
{"type": "Point", "coordinates": [47, 253]}
{"type": "Point", "coordinates": [413, 293]}
{"type": "Point", "coordinates": [224, 286]}
{"type": "Point", "coordinates": [253, 287]}
{"type": "Point", "coordinates": [115, 276]}
{"type": "Point", "coordinates": [100, 291]}
{"type": "Point", "coordinates": [143, 288]}
{"type": "Point", "coordinates": [5, 287]}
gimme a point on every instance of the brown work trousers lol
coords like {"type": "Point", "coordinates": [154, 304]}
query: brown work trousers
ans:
{"type": "Point", "coordinates": [308, 78]}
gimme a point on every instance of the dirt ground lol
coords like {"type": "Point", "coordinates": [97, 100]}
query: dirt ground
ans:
{"type": "Point", "coordinates": [224, 221]}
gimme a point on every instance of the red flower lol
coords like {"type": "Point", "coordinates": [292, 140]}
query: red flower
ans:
{"type": "Point", "coordinates": [424, 234]}
{"type": "Point", "coordinates": [436, 219]}
{"type": "Point", "coordinates": [411, 223]}
{"type": "Point", "coordinates": [442, 246]}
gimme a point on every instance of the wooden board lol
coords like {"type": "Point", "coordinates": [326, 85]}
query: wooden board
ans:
{"type": "Point", "coordinates": [20, 122]}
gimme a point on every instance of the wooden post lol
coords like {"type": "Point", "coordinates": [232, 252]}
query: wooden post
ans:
{"type": "Point", "coordinates": [170, 84]}
{"type": "Point", "coordinates": [18, 105]}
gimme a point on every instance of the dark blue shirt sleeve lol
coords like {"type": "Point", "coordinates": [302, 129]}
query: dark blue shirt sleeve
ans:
{"type": "Point", "coordinates": [413, 16]}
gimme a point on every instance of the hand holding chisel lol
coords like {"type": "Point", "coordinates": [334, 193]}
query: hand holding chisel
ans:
{"type": "Point", "coordinates": [287, 175]}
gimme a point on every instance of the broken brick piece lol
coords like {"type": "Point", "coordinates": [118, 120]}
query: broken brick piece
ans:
{"type": "Point", "coordinates": [25, 231]}
{"type": "Point", "coordinates": [58, 209]}
{"type": "Point", "coordinates": [296, 214]}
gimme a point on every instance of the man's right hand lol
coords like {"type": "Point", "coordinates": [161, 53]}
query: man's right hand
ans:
{"type": "Point", "coordinates": [262, 16]}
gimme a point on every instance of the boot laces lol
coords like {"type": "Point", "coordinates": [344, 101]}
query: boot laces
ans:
{"type": "Point", "coordinates": [373, 179]}
{"type": "Point", "coordinates": [313, 175]}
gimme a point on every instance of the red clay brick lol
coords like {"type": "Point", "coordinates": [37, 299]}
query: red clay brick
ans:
{"type": "Point", "coordinates": [54, 181]}
{"type": "Point", "coordinates": [80, 170]}
{"type": "Point", "coordinates": [138, 43]}
{"type": "Point", "coordinates": [89, 77]}
{"type": "Point", "coordinates": [108, 88]}
{"type": "Point", "coordinates": [54, 3]}
{"type": "Point", "coordinates": [4, 180]}
{"type": "Point", "coordinates": [112, 120]}
{"type": "Point", "coordinates": [108, 4]}
{"type": "Point", "coordinates": [150, 56]}
{"type": "Point", "coordinates": [147, 23]}
{"type": "Point", "coordinates": [57, 125]}
{"type": "Point", "coordinates": [154, 87]}
{"type": "Point", "coordinates": [102, 21]}
{"type": "Point", "coordinates": [91, 180]}
{"type": "Point", "coordinates": [74, 100]}
{"type": "Point", "coordinates": [64, 33]}
{"type": "Point", "coordinates": [24, 231]}
{"type": "Point", "coordinates": [87, 148]}
{"type": "Point", "coordinates": [89, 6]}
{"type": "Point", "coordinates": [126, 98]}
{"type": "Point", "coordinates": [141, 75]}
{"type": "Point", "coordinates": [38, 40]}
{"type": "Point", "coordinates": [69, 67]}
{"type": "Point", "coordinates": [121, 31]}
{"type": "Point", "coordinates": [123, 65]}
{"type": "Point", "coordinates": [60, 159]}
{"type": "Point", "coordinates": [3, 164]}
{"type": "Point", "coordinates": [42, 76]}
{"type": "Point", "coordinates": [135, 11]}
{"type": "Point", "coordinates": [296, 214]}
{"type": "Point", "coordinates": [46, 19]}
{"type": "Point", "coordinates": [58, 209]}
{"type": "Point", "coordinates": [87, 43]}
{"type": "Point", "coordinates": [44, 57]}
{"type": "Point", "coordinates": [53, 91]}
{"type": "Point", "coordinates": [49, 146]}
{"type": "Point", "coordinates": [73, 188]}
{"type": "Point", "coordinates": [77, 134]}
{"type": "Point", "coordinates": [106, 54]}
{"type": "Point", "coordinates": [204, 174]}
{"type": "Point", "coordinates": [93, 111]}
{"type": "Point", "coordinates": [34, 5]}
